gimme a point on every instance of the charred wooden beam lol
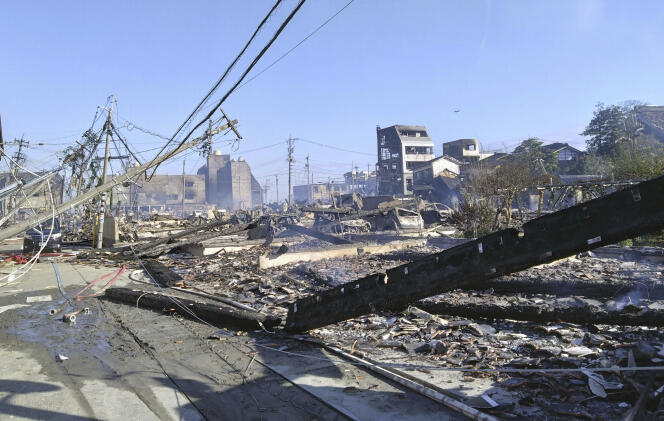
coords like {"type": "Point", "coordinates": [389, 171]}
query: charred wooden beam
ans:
{"type": "Point", "coordinates": [172, 237]}
{"type": "Point", "coordinates": [590, 289]}
{"type": "Point", "coordinates": [165, 248]}
{"type": "Point", "coordinates": [217, 314]}
{"type": "Point", "coordinates": [160, 273]}
{"type": "Point", "coordinates": [628, 316]}
{"type": "Point", "coordinates": [624, 214]}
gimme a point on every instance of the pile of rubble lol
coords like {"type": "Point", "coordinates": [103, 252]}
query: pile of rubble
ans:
{"type": "Point", "coordinates": [578, 337]}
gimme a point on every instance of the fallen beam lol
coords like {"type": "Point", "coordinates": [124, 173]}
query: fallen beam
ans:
{"type": "Point", "coordinates": [212, 247]}
{"type": "Point", "coordinates": [160, 273]}
{"type": "Point", "coordinates": [590, 314]}
{"type": "Point", "coordinates": [217, 314]}
{"type": "Point", "coordinates": [172, 237]}
{"type": "Point", "coordinates": [317, 234]}
{"type": "Point", "coordinates": [265, 262]}
{"type": "Point", "coordinates": [165, 248]}
{"type": "Point", "coordinates": [624, 214]}
{"type": "Point", "coordinates": [590, 289]}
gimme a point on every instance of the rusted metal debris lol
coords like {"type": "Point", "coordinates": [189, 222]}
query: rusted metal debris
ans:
{"type": "Point", "coordinates": [615, 217]}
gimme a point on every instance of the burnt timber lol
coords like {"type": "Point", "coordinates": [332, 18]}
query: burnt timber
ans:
{"type": "Point", "coordinates": [219, 314]}
{"type": "Point", "coordinates": [624, 214]}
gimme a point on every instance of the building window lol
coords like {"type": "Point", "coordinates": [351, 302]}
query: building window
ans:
{"type": "Point", "coordinates": [172, 197]}
{"type": "Point", "coordinates": [315, 189]}
{"type": "Point", "coordinates": [189, 196]}
{"type": "Point", "coordinates": [419, 150]}
{"type": "Point", "coordinates": [470, 147]}
{"type": "Point", "coordinates": [384, 154]}
{"type": "Point", "coordinates": [413, 133]}
{"type": "Point", "coordinates": [409, 184]}
{"type": "Point", "coordinates": [566, 155]}
{"type": "Point", "coordinates": [412, 164]}
{"type": "Point", "coordinates": [189, 183]}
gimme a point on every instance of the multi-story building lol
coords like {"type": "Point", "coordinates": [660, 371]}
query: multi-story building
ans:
{"type": "Point", "coordinates": [164, 192]}
{"type": "Point", "coordinates": [401, 149]}
{"type": "Point", "coordinates": [229, 183]}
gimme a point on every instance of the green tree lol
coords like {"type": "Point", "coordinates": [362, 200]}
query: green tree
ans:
{"type": "Point", "coordinates": [610, 126]}
{"type": "Point", "coordinates": [533, 156]}
{"type": "Point", "coordinates": [643, 158]}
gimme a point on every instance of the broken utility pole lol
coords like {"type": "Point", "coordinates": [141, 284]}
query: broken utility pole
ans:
{"type": "Point", "coordinates": [624, 214]}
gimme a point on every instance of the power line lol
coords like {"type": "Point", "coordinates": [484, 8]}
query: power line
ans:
{"type": "Point", "coordinates": [298, 44]}
{"type": "Point", "coordinates": [260, 148]}
{"type": "Point", "coordinates": [337, 148]}
{"type": "Point", "coordinates": [244, 74]}
{"type": "Point", "coordinates": [228, 69]}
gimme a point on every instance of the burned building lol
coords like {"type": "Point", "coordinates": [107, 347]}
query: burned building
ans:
{"type": "Point", "coordinates": [165, 192]}
{"type": "Point", "coordinates": [464, 150]}
{"type": "Point", "coordinates": [437, 180]}
{"type": "Point", "coordinates": [362, 182]}
{"type": "Point", "coordinates": [323, 192]}
{"type": "Point", "coordinates": [39, 200]}
{"type": "Point", "coordinates": [229, 183]}
{"type": "Point", "coordinates": [401, 149]}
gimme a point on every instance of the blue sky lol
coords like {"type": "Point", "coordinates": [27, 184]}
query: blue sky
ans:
{"type": "Point", "coordinates": [514, 69]}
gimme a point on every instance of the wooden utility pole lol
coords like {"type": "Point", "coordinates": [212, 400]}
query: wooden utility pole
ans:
{"type": "Point", "coordinates": [96, 191]}
{"type": "Point", "coordinates": [184, 187]}
{"type": "Point", "coordinates": [309, 193]}
{"type": "Point", "coordinates": [352, 176]}
{"type": "Point", "coordinates": [291, 148]}
{"type": "Point", "coordinates": [266, 187]}
{"type": "Point", "coordinates": [276, 183]}
{"type": "Point", "coordinates": [102, 206]}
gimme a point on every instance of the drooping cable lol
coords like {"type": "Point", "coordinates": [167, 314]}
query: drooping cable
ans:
{"type": "Point", "coordinates": [223, 76]}
{"type": "Point", "coordinates": [244, 74]}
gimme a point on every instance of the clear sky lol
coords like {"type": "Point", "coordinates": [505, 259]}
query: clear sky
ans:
{"type": "Point", "coordinates": [513, 69]}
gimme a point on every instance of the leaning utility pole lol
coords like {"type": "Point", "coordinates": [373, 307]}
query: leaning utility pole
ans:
{"type": "Point", "coordinates": [291, 148]}
{"type": "Point", "coordinates": [114, 181]}
{"type": "Point", "coordinates": [15, 171]}
{"type": "Point", "coordinates": [266, 187]}
{"type": "Point", "coordinates": [102, 205]}
{"type": "Point", "coordinates": [184, 187]}
{"type": "Point", "coordinates": [309, 194]}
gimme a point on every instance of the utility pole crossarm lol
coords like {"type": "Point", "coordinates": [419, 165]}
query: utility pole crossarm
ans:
{"type": "Point", "coordinates": [239, 136]}
{"type": "Point", "coordinates": [82, 198]}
